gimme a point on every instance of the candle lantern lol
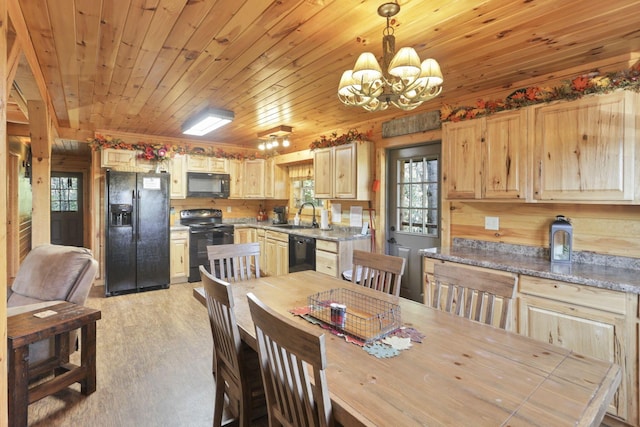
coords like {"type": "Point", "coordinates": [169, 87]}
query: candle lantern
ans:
{"type": "Point", "coordinates": [560, 240]}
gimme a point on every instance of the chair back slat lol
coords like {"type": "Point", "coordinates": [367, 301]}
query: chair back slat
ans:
{"type": "Point", "coordinates": [234, 262]}
{"type": "Point", "coordinates": [293, 363]}
{"type": "Point", "coordinates": [378, 271]}
{"type": "Point", "coordinates": [474, 294]}
{"type": "Point", "coordinates": [233, 360]}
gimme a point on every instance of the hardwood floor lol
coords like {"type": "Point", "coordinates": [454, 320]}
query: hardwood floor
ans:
{"type": "Point", "coordinates": [154, 352]}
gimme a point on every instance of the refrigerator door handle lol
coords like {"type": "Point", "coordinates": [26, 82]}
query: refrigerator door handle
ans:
{"type": "Point", "coordinates": [137, 208]}
{"type": "Point", "coordinates": [134, 226]}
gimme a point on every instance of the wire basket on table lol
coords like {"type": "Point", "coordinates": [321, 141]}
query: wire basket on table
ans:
{"type": "Point", "coordinates": [363, 316]}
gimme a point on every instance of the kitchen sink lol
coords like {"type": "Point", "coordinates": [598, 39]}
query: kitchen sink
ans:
{"type": "Point", "coordinates": [291, 226]}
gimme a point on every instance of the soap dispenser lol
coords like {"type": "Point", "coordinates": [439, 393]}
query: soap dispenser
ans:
{"type": "Point", "coordinates": [296, 219]}
{"type": "Point", "coordinates": [560, 240]}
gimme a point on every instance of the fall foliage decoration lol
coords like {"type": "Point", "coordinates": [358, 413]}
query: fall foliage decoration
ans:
{"type": "Point", "coordinates": [567, 90]}
{"type": "Point", "coordinates": [160, 152]}
{"type": "Point", "coordinates": [352, 136]}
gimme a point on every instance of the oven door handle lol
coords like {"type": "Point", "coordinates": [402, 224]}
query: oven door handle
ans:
{"type": "Point", "coordinates": [201, 231]}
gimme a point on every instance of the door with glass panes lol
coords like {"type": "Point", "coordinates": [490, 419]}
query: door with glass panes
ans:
{"type": "Point", "coordinates": [66, 209]}
{"type": "Point", "coordinates": [413, 209]}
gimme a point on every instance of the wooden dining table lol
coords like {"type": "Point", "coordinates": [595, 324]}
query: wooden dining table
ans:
{"type": "Point", "coordinates": [463, 373]}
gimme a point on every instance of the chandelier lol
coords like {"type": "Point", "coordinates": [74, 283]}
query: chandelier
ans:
{"type": "Point", "coordinates": [273, 138]}
{"type": "Point", "coordinates": [403, 81]}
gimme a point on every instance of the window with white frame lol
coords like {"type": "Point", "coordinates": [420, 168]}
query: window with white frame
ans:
{"type": "Point", "coordinates": [302, 186]}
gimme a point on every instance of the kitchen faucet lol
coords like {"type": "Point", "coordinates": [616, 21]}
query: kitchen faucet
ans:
{"type": "Point", "coordinates": [314, 223]}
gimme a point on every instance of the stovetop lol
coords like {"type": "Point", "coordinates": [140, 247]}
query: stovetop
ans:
{"type": "Point", "coordinates": [201, 217]}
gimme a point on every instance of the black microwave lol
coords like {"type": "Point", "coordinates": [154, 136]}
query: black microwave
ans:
{"type": "Point", "coordinates": [213, 185]}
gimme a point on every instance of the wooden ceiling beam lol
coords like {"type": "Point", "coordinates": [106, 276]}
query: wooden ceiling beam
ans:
{"type": "Point", "coordinates": [18, 129]}
{"type": "Point", "coordinates": [22, 32]}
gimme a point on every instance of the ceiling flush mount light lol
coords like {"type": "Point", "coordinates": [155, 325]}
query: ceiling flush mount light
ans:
{"type": "Point", "coordinates": [206, 121]}
{"type": "Point", "coordinates": [275, 137]}
{"type": "Point", "coordinates": [402, 81]}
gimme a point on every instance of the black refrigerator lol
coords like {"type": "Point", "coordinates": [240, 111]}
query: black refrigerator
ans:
{"type": "Point", "coordinates": [137, 232]}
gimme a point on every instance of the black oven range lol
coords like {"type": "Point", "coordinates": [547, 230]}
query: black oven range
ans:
{"type": "Point", "coordinates": [205, 228]}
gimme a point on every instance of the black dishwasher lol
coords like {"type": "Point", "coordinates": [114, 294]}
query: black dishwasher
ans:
{"type": "Point", "coordinates": [302, 253]}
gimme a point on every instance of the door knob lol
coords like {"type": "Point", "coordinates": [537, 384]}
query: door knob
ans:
{"type": "Point", "coordinates": [392, 240]}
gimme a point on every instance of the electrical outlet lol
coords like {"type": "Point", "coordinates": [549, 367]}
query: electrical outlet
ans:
{"type": "Point", "coordinates": [228, 208]}
{"type": "Point", "coordinates": [491, 223]}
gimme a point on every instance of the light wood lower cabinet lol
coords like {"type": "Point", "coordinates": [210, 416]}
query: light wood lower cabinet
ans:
{"type": "Point", "coordinates": [276, 248]}
{"type": "Point", "coordinates": [244, 235]}
{"type": "Point", "coordinates": [589, 321]}
{"type": "Point", "coordinates": [334, 257]}
{"type": "Point", "coordinates": [179, 256]}
{"type": "Point", "coordinates": [260, 238]}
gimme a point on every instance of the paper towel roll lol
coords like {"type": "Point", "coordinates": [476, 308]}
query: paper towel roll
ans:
{"type": "Point", "coordinates": [324, 219]}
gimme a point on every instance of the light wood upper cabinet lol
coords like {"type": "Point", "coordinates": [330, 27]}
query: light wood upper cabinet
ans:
{"type": "Point", "coordinates": [178, 182]}
{"type": "Point", "coordinates": [585, 149]}
{"type": "Point", "coordinates": [275, 180]}
{"type": "Point", "coordinates": [118, 159]}
{"type": "Point", "coordinates": [254, 178]}
{"type": "Point", "coordinates": [344, 171]}
{"type": "Point", "coordinates": [207, 164]}
{"type": "Point", "coordinates": [323, 173]}
{"type": "Point", "coordinates": [504, 156]}
{"type": "Point", "coordinates": [486, 158]}
{"type": "Point", "coordinates": [236, 173]}
{"type": "Point", "coordinates": [258, 179]}
{"type": "Point", "coordinates": [461, 159]}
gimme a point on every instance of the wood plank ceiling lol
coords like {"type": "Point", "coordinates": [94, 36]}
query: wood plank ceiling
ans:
{"type": "Point", "coordinates": [146, 66]}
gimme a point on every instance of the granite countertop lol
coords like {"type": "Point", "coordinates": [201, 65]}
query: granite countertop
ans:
{"type": "Point", "coordinates": [614, 273]}
{"type": "Point", "coordinates": [178, 227]}
{"type": "Point", "coordinates": [335, 233]}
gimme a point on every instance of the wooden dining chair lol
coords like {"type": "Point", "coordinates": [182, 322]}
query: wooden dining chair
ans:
{"type": "Point", "coordinates": [234, 262]}
{"type": "Point", "coordinates": [474, 294]}
{"type": "Point", "coordinates": [378, 271]}
{"type": "Point", "coordinates": [289, 357]}
{"type": "Point", "coordinates": [237, 370]}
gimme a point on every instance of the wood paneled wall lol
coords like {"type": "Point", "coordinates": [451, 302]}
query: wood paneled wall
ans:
{"type": "Point", "coordinates": [606, 229]}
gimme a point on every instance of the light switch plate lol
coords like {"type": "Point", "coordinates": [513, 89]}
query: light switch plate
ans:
{"type": "Point", "coordinates": [491, 223]}
{"type": "Point", "coordinates": [228, 208]}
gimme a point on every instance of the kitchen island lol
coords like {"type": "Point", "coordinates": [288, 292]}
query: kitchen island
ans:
{"type": "Point", "coordinates": [589, 306]}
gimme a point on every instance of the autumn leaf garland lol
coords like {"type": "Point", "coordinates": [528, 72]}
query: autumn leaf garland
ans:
{"type": "Point", "coordinates": [573, 89]}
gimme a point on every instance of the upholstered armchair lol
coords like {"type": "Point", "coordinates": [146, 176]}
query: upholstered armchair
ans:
{"type": "Point", "coordinates": [51, 274]}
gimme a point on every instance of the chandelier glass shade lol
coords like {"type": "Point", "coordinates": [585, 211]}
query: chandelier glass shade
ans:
{"type": "Point", "coordinates": [402, 81]}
